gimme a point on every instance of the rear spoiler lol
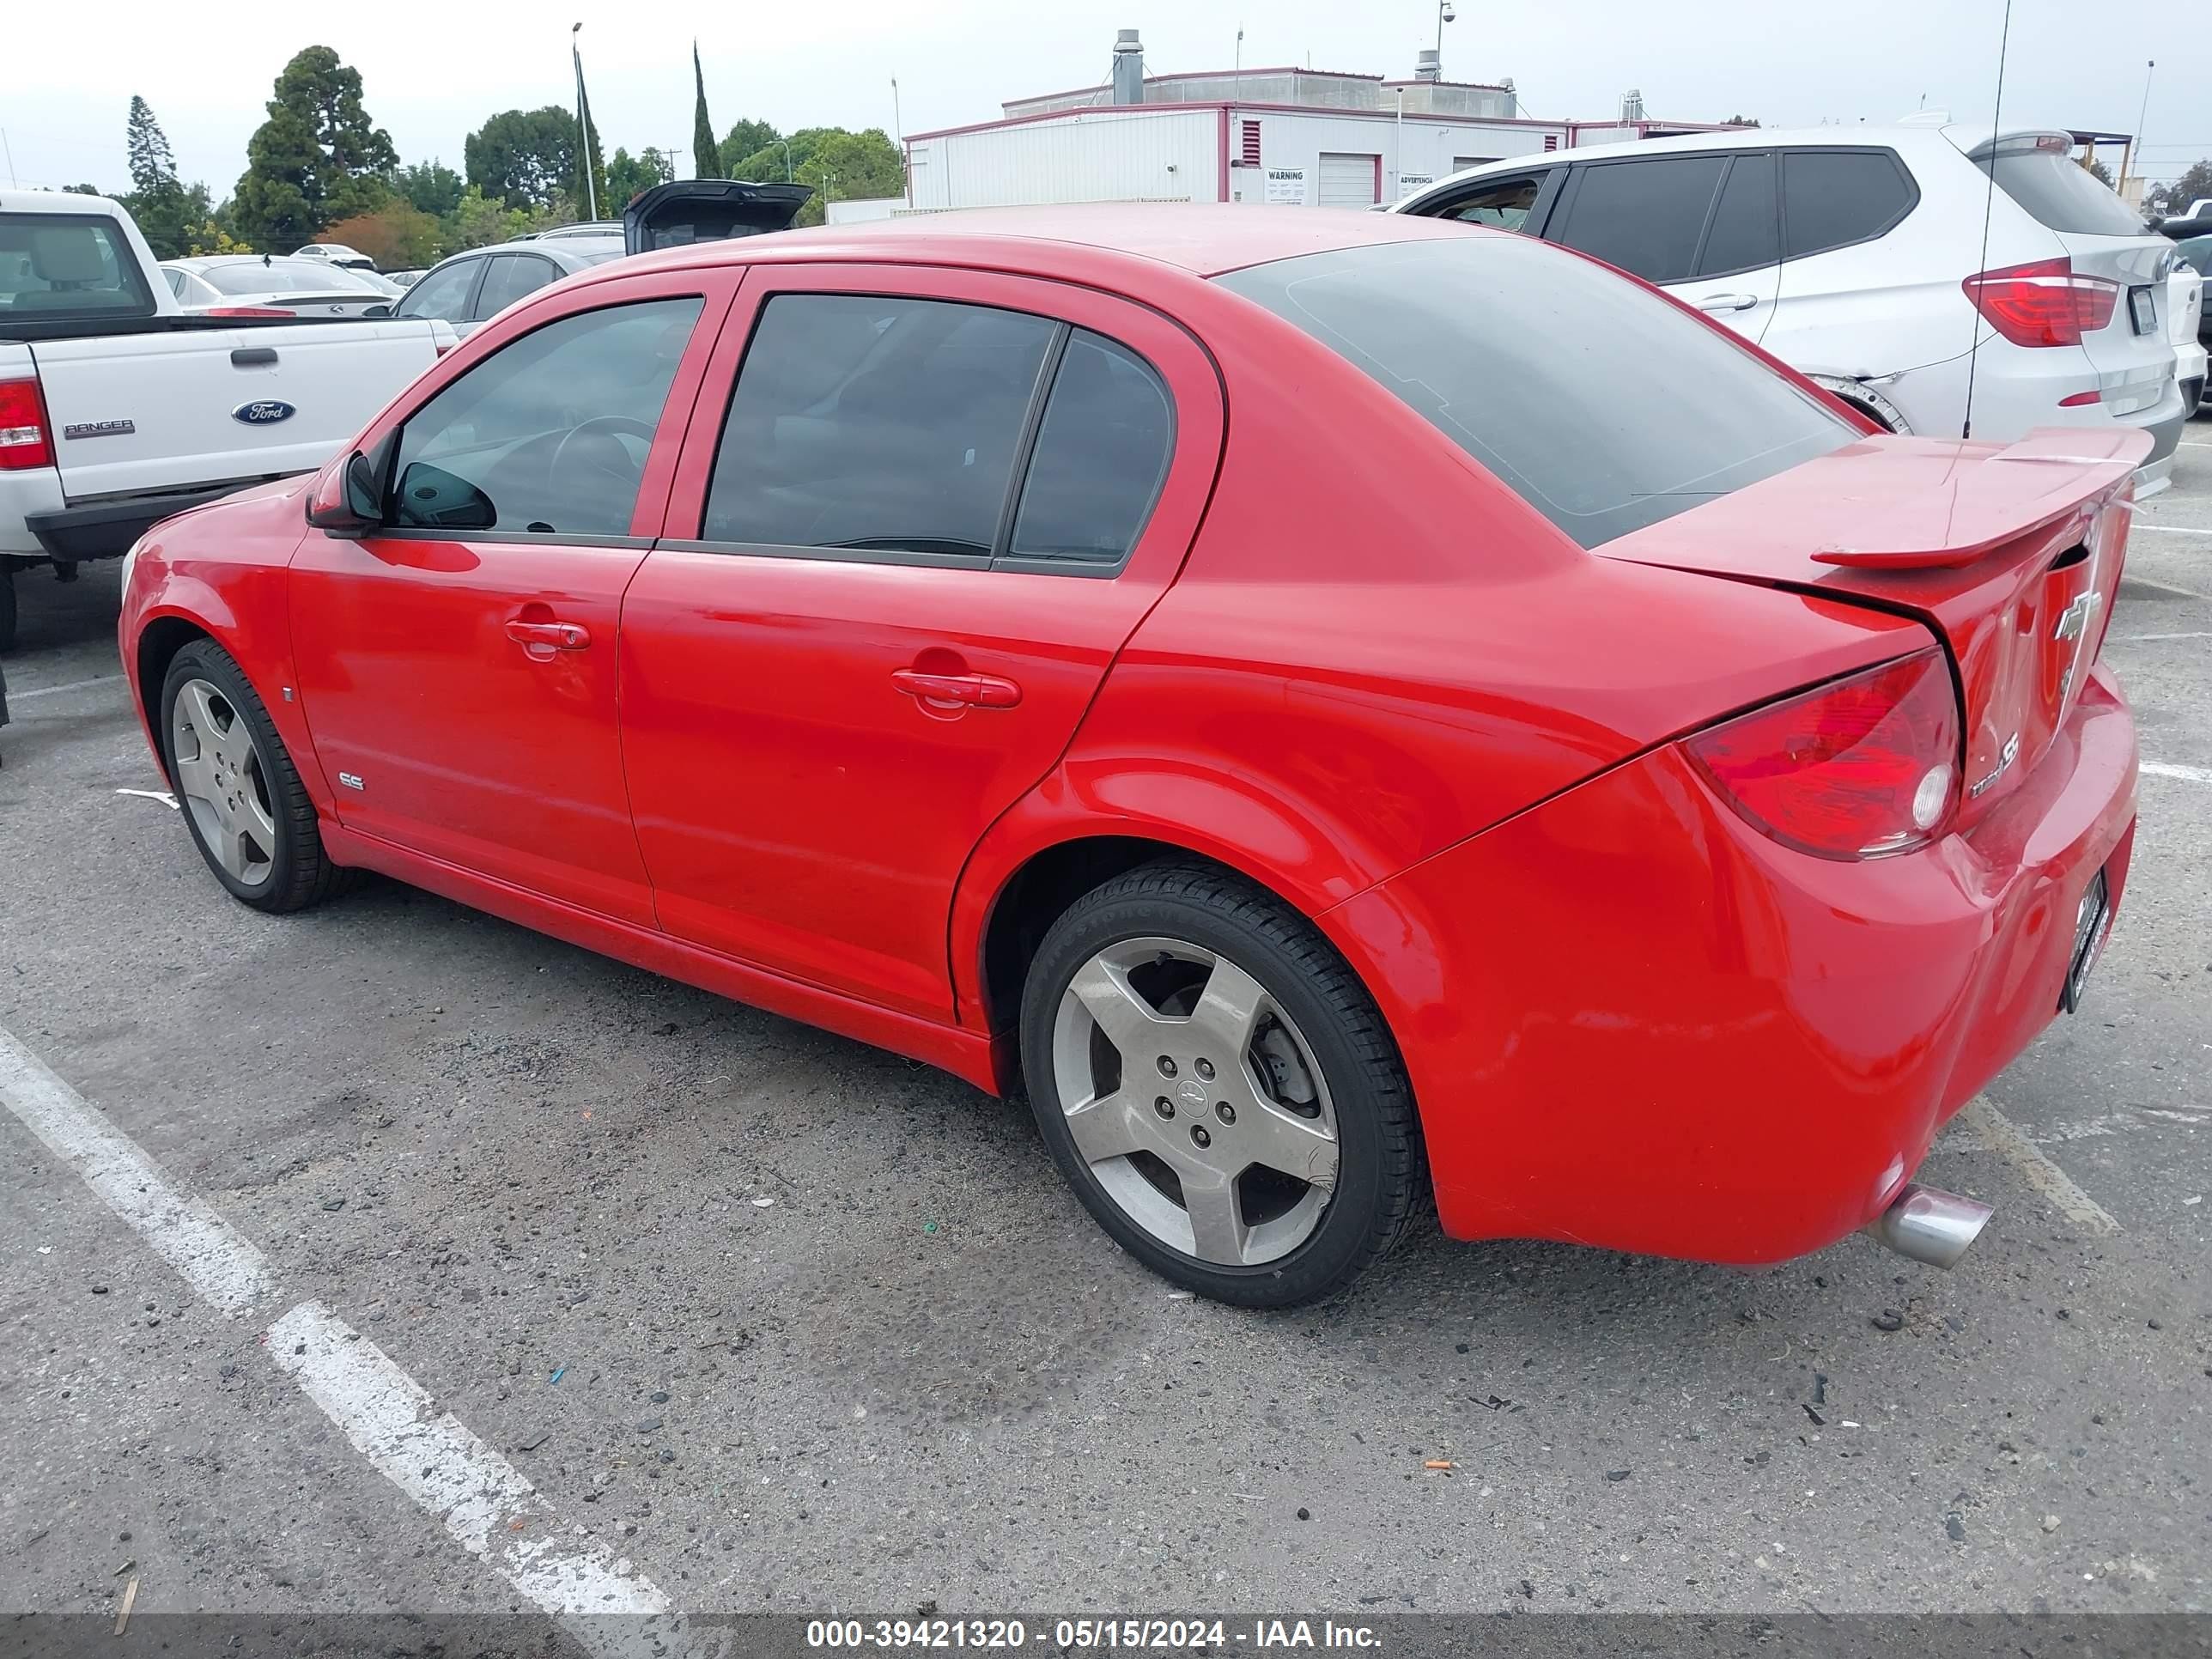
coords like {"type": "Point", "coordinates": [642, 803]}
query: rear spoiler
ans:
{"type": "Point", "coordinates": [1970, 505]}
{"type": "Point", "coordinates": [688, 210]}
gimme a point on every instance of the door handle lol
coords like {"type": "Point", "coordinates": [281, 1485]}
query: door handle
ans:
{"type": "Point", "coordinates": [977, 690]}
{"type": "Point", "coordinates": [1727, 302]}
{"type": "Point", "coordinates": [555, 636]}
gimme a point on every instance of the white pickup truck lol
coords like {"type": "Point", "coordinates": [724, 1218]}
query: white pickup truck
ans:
{"type": "Point", "coordinates": [118, 409]}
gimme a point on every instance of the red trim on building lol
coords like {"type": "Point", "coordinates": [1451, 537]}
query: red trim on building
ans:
{"type": "Point", "coordinates": [1277, 109]}
{"type": "Point", "coordinates": [1222, 183]}
{"type": "Point", "coordinates": [1378, 196]}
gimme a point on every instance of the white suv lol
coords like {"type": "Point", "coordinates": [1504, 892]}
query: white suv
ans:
{"type": "Point", "coordinates": [1858, 257]}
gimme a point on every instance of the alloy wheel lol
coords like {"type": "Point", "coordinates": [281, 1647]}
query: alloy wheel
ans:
{"type": "Point", "coordinates": [221, 780]}
{"type": "Point", "coordinates": [1195, 1101]}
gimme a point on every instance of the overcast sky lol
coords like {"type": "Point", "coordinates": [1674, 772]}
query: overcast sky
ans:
{"type": "Point", "coordinates": [434, 72]}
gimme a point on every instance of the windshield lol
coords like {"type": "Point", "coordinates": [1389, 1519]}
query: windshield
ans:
{"type": "Point", "coordinates": [1603, 405]}
{"type": "Point", "coordinates": [2060, 193]}
{"type": "Point", "coordinates": [281, 276]}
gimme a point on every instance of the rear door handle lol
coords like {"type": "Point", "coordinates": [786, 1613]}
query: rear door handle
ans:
{"type": "Point", "coordinates": [559, 635]}
{"type": "Point", "coordinates": [977, 690]}
{"type": "Point", "coordinates": [1727, 302]}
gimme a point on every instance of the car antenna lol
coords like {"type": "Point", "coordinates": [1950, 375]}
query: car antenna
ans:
{"type": "Point", "coordinates": [1989, 203]}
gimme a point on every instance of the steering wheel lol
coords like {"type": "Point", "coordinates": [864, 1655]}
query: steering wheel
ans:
{"type": "Point", "coordinates": [627, 476]}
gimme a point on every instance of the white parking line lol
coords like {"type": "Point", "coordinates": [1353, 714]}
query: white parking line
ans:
{"type": "Point", "coordinates": [483, 1502]}
{"type": "Point", "coordinates": [2170, 529]}
{"type": "Point", "coordinates": [2146, 639]}
{"type": "Point", "coordinates": [2000, 1135]}
{"type": "Point", "coordinates": [56, 690]}
{"type": "Point", "coordinates": [2167, 769]}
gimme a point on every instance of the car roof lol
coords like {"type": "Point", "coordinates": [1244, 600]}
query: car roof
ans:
{"type": "Point", "coordinates": [574, 253]}
{"type": "Point", "coordinates": [1201, 238]}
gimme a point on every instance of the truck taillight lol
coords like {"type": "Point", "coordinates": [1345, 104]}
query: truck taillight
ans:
{"type": "Point", "coordinates": [26, 440]}
{"type": "Point", "coordinates": [247, 311]}
{"type": "Point", "coordinates": [1860, 768]}
{"type": "Point", "coordinates": [2044, 303]}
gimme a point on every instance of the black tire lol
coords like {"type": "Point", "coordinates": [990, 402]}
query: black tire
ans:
{"type": "Point", "coordinates": [300, 873]}
{"type": "Point", "coordinates": [1382, 1177]}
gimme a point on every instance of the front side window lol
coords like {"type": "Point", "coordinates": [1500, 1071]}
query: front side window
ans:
{"type": "Point", "coordinates": [876, 424]}
{"type": "Point", "coordinates": [57, 265]}
{"type": "Point", "coordinates": [549, 433]}
{"type": "Point", "coordinates": [1501, 204]}
{"type": "Point", "coordinates": [1645, 216]}
{"type": "Point", "coordinates": [443, 293]}
{"type": "Point", "coordinates": [1524, 380]}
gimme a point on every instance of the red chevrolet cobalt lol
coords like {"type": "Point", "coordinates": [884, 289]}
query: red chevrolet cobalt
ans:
{"type": "Point", "coordinates": [1335, 707]}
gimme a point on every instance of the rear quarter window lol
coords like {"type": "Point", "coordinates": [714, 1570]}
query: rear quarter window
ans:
{"type": "Point", "coordinates": [1832, 198]}
{"type": "Point", "coordinates": [1528, 381]}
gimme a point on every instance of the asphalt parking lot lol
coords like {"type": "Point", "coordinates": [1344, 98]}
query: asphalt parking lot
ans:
{"type": "Point", "coordinates": [769, 1320]}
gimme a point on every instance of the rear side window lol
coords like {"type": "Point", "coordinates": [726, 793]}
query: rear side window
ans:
{"type": "Point", "coordinates": [549, 433]}
{"type": "Point", "coordinates": [876, 424]}
{"type": "Point", "coordinates": [1101, 456]}
{"type": "Point", "coordinates": [1644, 216]}
{"type": "Point", "coordinates": [2196, 253]}
{"type": "Point", "coordinates": [1500, 204]}
{"type": "Point", "coordinates": [1527, 382]}
{"type": "Point", "coordinates": [1833, 198]}
{"type": "Point", "coordinates": [1747, 228]}
{"type": "Point", "coordinates": [69, 265]}
{"type": "Point", "coordinates": [511, 277]}
{"type": "Point", "coordinates": [2060, 194]}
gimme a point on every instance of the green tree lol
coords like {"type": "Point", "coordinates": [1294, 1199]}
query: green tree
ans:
{"type": "Point", "coordinates": [590, 182]}
{"type": "Point", "coordinates": [840, 165]}
{"type": "Point", "coordinates": [478, 220]}
{"type": "Point", "coordinates": [317, 157]}
{"type": "Point", "coordinates": [2176, 197]}
{"type": "Point", "coordinates": [1742, 121]}
{"type": "Point", "coordinates": [748, 138]}
{"type": "Point", "coordinates": [431, 187]}
{"type": "Point", "coordinates": [523, 157]}
{"type": "Point", "coordinates": [398, 236]}
{"type": "Point", "coordinates": [705, 155]}
{"type": "Point", "coordinates": [152, 166]}
{"type": "Point", "coordinates": [2098, 171]}
{"type": "Point", "coordinates": [628, 175]}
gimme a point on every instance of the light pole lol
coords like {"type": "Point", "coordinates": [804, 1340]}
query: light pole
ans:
{"type": "Point", "coordinates": [786, 143]}
{"type": "Point", "coordinates": [583, 126]}
{"type": "Point", "coordinates": [1444, 15]}
{"type": "Point", "coordinates": [2135, 144]}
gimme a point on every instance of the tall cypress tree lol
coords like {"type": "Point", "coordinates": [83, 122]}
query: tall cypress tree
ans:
{"type": "Point", "coordinates": [153, 168]}
{"type": "Point", "coordinates": [588, 160]}
{"type": "Point", "coordinates": [706, 158]}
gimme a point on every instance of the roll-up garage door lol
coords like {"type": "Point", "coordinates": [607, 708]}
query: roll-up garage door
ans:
{"type": "Point", "coordinates": [1352, 181]}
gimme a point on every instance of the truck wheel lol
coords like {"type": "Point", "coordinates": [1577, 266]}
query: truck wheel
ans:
{"type": "Point", "coordinates": [241, 796]}
{"type": "Point", "coordinates": [1218, 1088]}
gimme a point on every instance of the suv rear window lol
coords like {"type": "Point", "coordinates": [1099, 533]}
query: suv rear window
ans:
{"type": "Point", "coordinates": [2061, 194]}
{"type": "Point", "coordinates": [1529, 381]}
{"type": "Point", "coordinates": [69, 265]}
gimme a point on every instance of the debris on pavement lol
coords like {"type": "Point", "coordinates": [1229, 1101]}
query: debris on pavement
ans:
{"type": "Point", "coordinates": [1443, 1464]}
{"type": "Point", "coordinates": [123, 1613]}
{"type": "Point", "coordinates": [1888, 1320]}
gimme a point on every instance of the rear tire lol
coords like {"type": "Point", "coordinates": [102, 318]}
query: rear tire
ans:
{"type": "Point", "coordinates": [1218, 1088]}
{"type": "Point", "coordinates": [237, 790]}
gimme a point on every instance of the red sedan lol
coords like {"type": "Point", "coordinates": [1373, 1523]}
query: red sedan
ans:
{"type": "Point", "coordinates": [1334, 706]}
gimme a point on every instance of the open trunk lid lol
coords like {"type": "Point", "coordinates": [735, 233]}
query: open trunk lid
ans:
{"type": "Point", "coordinates": [688, 211]}
{"type": "Point", "coordinates": [2009, 553]}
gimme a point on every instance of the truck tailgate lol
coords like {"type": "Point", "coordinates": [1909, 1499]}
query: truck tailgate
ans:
{"type": "Point", "coordinates": [137, 413]}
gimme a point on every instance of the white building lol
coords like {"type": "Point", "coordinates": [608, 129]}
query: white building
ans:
{"type": "Point", "coordinates": [1260, 136]}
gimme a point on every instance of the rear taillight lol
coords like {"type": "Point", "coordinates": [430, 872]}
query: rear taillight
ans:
{"type": "Point", "coordinates": [26, 440]}
{"type": "Point", "coordinates": [1857, 769]}
{"type": "Point", "coordinates": [247, 311]}
{"type": "Point", "coordinates": [2043, 304]}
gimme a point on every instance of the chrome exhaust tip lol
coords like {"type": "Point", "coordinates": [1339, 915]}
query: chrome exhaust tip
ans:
{"type": "Point", "coordinates": [1929, 1226]}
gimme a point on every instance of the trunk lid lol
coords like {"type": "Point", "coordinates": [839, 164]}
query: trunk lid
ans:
{"type": "Point", "coordinates": [690, 210]}
{"type": "Point", "coordinates": [2010, 554]}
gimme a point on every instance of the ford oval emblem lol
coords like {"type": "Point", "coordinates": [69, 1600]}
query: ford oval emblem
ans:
{"type": "Point", "coordinates": [264, 411]}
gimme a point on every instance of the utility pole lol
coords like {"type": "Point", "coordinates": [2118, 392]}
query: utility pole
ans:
{"type": "Point", "coordinates": [2135, 144]}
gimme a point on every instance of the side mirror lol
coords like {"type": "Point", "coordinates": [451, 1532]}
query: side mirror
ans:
{"type": "Point", "coordinates": [344, 502]}
{"type": "Point", "coordinates": [378, 311]}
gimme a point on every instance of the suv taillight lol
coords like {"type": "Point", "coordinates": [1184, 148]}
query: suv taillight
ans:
{"type": "Point", "coordinates": [2045, 303]}
{"type": "Point", "coordinates": [1860, 768]}
{"type": "Point", "coordinates": [25, 440]}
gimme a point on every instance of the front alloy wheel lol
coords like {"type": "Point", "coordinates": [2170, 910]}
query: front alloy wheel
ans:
{"type": "Point", "coordinates": [221, 782]}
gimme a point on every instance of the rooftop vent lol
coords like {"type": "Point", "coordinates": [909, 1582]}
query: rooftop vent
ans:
{"type": "Point", "coordinates": [1429, 66]}
{"type": "Point", "coordinates": [1128, 68]}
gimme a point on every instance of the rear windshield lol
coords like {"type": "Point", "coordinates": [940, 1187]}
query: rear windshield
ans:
{"type": "Point", "coordinates": [69, 265]}
{"type": "Point", "coordinates": [282, 276]}
{"type": "Point", "coordinates": [2062, 195]}
{"type": "Point", "coordinates": [1606, 407]}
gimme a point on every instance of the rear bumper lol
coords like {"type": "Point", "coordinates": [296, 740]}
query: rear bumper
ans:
{"type": "Point", "coordinates": [1632, 1021]}
{"type": "Point", "coordinates": [106, 529]}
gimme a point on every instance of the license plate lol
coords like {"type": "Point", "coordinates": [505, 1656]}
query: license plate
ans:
{"type": "Point", "coordinates": [2141, 311]}
{"type": "Point", "coordinates": [2090, 920]}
